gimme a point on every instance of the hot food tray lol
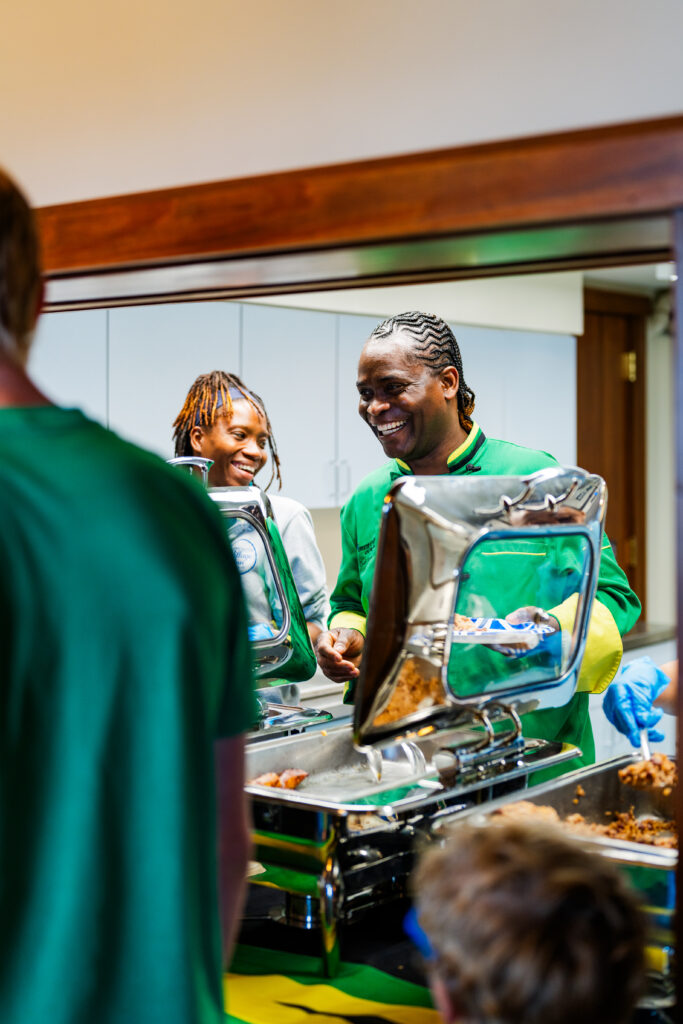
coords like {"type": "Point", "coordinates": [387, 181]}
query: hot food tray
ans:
{"type": "Point", "coordinates": [596, 793]}
{"type": "Point", "coordinates": [343, 779]}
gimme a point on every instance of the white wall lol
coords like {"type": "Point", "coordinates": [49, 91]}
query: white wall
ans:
{"type": "Point", "coordinates": [110, 97]}
{"type": "Point", "coordinates": [661, 477]}
{"type": "Point", "coordinates": [525, 302]}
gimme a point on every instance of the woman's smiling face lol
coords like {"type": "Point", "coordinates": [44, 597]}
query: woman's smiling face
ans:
{"type": "Point", "coordinates": [236, 445]}
{"type": "Point", "coordinates": [408, 406]}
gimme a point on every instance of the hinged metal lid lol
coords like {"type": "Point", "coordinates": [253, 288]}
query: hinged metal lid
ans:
{"type": "Point", "coordinates": [478, 548]}
{"type": "Point", "coordinates": [277, 625]}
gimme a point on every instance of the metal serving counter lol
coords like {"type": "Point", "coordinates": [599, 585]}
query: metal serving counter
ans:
{"type": "Point", "coordinates": [436, 718]}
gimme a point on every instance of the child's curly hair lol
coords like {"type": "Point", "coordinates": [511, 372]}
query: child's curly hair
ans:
{"type": "Point", "coordinates": [528, 927]}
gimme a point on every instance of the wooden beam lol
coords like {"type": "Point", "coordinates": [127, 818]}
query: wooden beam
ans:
{"type": "Point", "coordinates": [613, 172]}
{"type": "Point", "coordinates": [597, 300]}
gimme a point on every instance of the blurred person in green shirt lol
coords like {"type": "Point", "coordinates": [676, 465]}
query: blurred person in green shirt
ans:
{"type": "Point", "coordinates": [126, 688]}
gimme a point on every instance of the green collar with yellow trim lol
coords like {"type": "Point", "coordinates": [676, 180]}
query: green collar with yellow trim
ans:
{"type": "Point", "coordinates": [461, 458]}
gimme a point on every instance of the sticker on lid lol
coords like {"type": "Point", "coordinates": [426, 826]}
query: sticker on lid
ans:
{"type": "Point", "coordinates": [245, 555]}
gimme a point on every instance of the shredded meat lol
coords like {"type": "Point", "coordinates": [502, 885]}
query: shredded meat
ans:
{"type": "Point", "coordinates": [624, 824]}
{"type": "Point", "coordinates": [413, 692]}
{"type": "Point", "coordinates": [658, 773]}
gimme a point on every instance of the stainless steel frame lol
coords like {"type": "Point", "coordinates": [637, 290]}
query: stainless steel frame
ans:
{"type": "Point", "coordinates": [344, 842]}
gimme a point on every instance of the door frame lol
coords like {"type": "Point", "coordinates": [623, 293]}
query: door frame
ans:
{"type": "Point", "coordinates": [580, 199]}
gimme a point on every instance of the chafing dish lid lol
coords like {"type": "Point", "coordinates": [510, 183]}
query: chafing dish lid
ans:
{"type": "Point", "coordinates": [479, 548]}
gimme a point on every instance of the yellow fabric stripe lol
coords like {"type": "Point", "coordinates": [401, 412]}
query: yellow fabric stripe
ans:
{"type": "Point", "coordinates": [349, 620]}
{"type": "Point", "coordinates": [603, 644]}
{"type": "Point", "coordinates": [467, 443]}
{"type": "Point", "coordinates": [529, 554]}
{"type": "Point", "coordinates": [263, 999]}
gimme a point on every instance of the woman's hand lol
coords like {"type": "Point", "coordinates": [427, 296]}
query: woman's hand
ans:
{"type": "Point", "coordinates": [339, 652]}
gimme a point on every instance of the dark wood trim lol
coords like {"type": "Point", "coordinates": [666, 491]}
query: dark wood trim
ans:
{"type": "Point", "coordinates": [619, 171]}
{"type": "Point", "coordinates": [597, 300]}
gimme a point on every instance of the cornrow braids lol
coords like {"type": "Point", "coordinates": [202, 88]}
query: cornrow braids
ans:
{"type": "Point", "coordinates": [435, 347]}
{"type": "Point", "coordinates": [208, 398]}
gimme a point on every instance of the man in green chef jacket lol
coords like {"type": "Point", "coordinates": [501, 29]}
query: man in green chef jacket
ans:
{"type": "Point", "coordinates": [413, 396]}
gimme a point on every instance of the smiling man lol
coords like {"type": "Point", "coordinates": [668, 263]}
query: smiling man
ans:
{"type": "Point", "coordinates": [413, 396]}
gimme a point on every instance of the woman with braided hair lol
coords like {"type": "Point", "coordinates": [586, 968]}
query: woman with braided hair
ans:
{"type": "Point", "coordinates": [413, 396]}
{"type": "Point", "coordinates": [224, 421]}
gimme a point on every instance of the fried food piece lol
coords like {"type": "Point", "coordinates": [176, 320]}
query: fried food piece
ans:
{"type": "Point", "coordinates": [292, 777]}
{"type": "Point", "coordinates": [522, 810]}
{"type": "Point", "coordinates": [267, 779]}
{"type": "Point", "coordinates": [464, 624]}
{"type": "Point", "coordinates": [659, 772]}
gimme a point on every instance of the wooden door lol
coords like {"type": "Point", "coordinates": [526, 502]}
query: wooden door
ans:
{"type": "Point", "coordinates": [610, 389]}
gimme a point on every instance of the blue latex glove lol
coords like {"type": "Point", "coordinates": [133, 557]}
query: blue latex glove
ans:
{"type": "Point", "coordinates": [414, 931]}
{"type": "Point", "coordinates": [629, 699]}
{"type": "Point", "coordinates": [260, 631]}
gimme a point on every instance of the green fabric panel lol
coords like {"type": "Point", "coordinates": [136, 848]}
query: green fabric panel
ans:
{"type": "Point", "coordinates": [354, 979]}
{"type": "Point", "coordinates": [302, 664]}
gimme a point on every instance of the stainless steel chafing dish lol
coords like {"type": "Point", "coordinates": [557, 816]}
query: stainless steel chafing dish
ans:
{"type": "Point", "coordinates": [343, 842]}
{"type": "Point", "coordinates": [595, 792]}
{"type": "Point", "coordinates": [277, 627]}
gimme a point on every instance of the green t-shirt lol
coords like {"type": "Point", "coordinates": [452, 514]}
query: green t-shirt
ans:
{"type": "Point", "coordinates": [123, 655]}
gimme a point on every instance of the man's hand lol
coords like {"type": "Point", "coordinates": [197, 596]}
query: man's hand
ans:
{"type": "Point", "coordinates": [530, 613]}
{"type": "Point", "coordinates": [339, 652]}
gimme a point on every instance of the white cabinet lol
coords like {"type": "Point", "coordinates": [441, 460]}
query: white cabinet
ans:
{"type": "Point", "coordinates": [288, 358]}
{"type": "Point", "coordinates": [155, 353]}
{"type": "Point", "coordinates": [359, 450]}
{"type": "Point", "coordinates": [68, 360]}
{"type": "Point", "coordinates": [525, 386]}
{"type": "Point", "coordinates": [131, 369]}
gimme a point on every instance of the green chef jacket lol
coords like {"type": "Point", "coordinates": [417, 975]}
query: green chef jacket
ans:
{"type": "Point", "coordinates": [615, 609]}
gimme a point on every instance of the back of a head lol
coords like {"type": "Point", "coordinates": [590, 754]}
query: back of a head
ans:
{"type": "Point", "coordinates": [19, 271]}
{"type": "Point", "coordinates": [527, 927]}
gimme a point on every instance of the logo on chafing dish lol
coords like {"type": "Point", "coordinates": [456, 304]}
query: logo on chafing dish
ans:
{"type": "Point", "coordinates": [245, 555]}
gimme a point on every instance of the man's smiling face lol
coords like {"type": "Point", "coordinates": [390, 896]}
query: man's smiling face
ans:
{"type": "Point", "coordinates": [404, 402]}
